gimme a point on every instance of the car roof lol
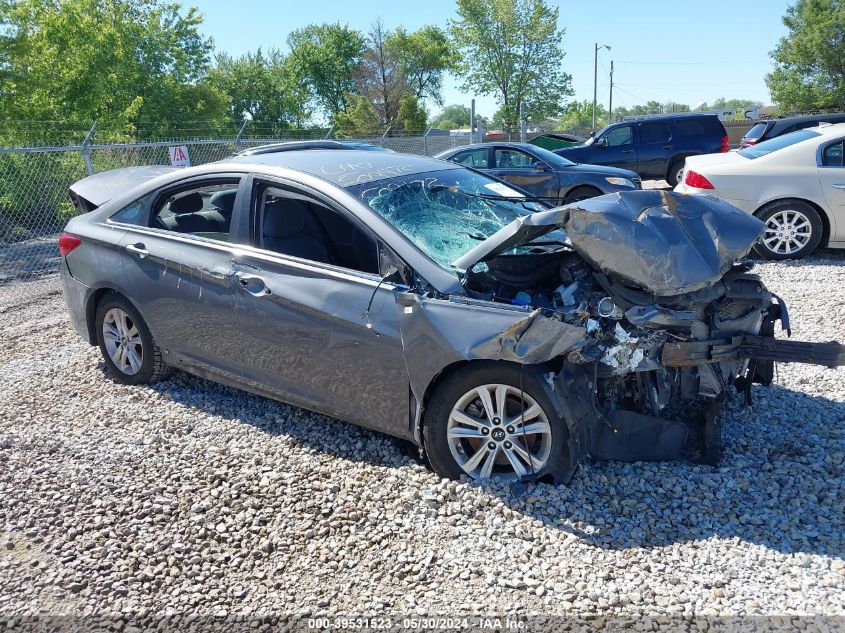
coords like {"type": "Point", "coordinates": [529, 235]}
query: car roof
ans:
{"type": "Point", "coordinates": [346, 167]}
{"type": "Point", "coordinates": [662, 117]}
{"type": "Point", "coordinates": [792, 120]}
{"type": "Point", "coordinates": [460, 148]}
{"type": "Point", "coordinates": [289, 146]}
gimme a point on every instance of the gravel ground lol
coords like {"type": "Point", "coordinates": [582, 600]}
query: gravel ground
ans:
{"type": "Point", "coordinates": [188, 496]}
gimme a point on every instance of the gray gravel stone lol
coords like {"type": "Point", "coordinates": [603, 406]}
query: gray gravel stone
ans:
{"type": "Point", "coordinates": [187, 496]}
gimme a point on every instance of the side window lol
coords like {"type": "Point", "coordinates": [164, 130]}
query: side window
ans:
{"type": "Point", "coordinates": [514, 159]}
{"type": "Point", "coordinates": [134, 212]}
{"type": "Point", "coordinates": [623, 135]}
{"type": "Point", "coordinates": [291, 223]}
{"type": "Point", "coordinates": [654, 133]}
{"type": "Point", "coordinates": [832, 155]}
{"type": "Point", "coordinates": [690, 127]}
{"type": "Point", "coordinates": [473, 158]}
{"type": "Point", "coordinates": [203, 210]}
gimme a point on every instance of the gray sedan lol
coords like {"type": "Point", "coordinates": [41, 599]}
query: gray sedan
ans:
{"type": "Point", "coordinates": [543, 173]}
{"type": "Point", "coordinates": [430, 302]}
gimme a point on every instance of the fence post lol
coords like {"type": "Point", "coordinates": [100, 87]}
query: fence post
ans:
{"type": "Point", "coordinates": [425, 141]}
{"type": "Point", "coordinates": [86, 151]}
{"type": "Point", "coordinates": [238, 137]}
{"type": "Point", "coordinates": [329, 133]}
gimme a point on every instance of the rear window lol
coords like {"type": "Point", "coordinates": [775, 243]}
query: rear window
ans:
{"type": "Point", "coordinates": [756, 131]}
{"type": "Point", "coordinates": [708, 125]}
{"type": "Point", "coordinates": [779, 142]}
{"type": "Point", "coordinates": [832, 155]}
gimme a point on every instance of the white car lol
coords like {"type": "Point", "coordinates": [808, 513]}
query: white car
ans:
{"type": "Point", "coordinates": [795, 183]}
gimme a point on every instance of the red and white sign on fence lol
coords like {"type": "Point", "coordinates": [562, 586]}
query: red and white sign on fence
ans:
{"type": "Point", "coordinates": [179, 156]}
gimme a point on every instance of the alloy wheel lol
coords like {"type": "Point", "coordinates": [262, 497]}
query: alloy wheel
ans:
{"type": "Point", "coordinates": [679, 176]}
{"type": "Point", "coordinates": [787, 232]}
{"type": "Point", "coordinates": [123, 341]}
{"type": "Point", "coordinates": [496, 430]}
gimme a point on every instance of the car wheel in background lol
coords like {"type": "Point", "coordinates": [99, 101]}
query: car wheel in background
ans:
{"type": "Point", "coordinates": [676, 173]}
{"type": "Point", "coordinates": [582, 193]}
{"type": "Point", "coordinates": [793, 230]}
{"type": "Point", "coordinates": [494, 420]}
{"type": "Point", "coordinates": [132, 356]}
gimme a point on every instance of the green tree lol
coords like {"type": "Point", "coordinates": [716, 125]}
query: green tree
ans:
{"type": "Point", "coordinates": [578, 115]}
{"type": "Point", "coordinates": [359, 119]}
{"type": "Point", "coordinates": [511, 48]}
{"type": "Point", "coordinates": [809, 71]}
{"type": "Point", "coordinates": [324, 56]}
{"type": "Point", "coordinates": [125, 63]}
{"type": "Point", "coordinates": [412, 113]}
{"type": "Point", "coordinates": [262, 87]}
{"type": "Point", "coordinates": [426, 55]}
{"type": "Point", "coordinates": [452, 117]}
{"type": "Point", "coordinates": [380, 75]}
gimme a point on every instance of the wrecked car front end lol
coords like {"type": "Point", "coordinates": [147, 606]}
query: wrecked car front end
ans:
{"type": "Point", "coordinates": [643, 322]}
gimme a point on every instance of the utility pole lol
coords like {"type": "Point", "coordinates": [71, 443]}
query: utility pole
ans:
{"type": "Point", "coordinates": [521, 123]}
{"type": "Point", "coordinates": [596, 77]}
{"type": "Point", "coordinates": [471, 120]}
{"type": "Point", "coordinates": [610, 104]}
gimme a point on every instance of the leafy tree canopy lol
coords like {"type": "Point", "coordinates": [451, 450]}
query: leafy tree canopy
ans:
{"type": "Point", "coordinates": [809, 72]}
{"type": "Point", "coordinates": [512, 49]}
{"type": "Point", "coordinates": [124, 63]}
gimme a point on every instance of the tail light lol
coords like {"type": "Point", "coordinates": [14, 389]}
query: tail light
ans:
{"type": "Point", "coordinates": [749, 141]}
{"type": "Point", "coordinates": [726, 144]}
{"type": "Point", "coordinates": [67, 243]}
{"type": "Point", "coordinates": [694, 179]}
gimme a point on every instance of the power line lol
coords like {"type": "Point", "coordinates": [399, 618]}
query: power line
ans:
{"type": "Point", "coordinates": [732, 61]}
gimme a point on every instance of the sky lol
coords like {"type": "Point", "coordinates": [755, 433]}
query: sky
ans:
{"type": "Point", "coordinates": [681, 51]}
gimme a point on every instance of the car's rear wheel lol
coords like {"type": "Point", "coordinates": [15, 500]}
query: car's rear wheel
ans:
{"type": "Point", "coordinates": [494, 420]}
{"type": "Point", "coordinates": [131, 355]}
{"type": "Point", "coordinates": [582, 193]}
{"type": "Point", "coordinates": [793, 230]}
{"type": "Point", "coordinates": [676, 173]}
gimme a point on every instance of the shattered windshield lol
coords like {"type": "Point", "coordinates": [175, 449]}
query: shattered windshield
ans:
{"type": "Point", "coordinates": [445, 213]}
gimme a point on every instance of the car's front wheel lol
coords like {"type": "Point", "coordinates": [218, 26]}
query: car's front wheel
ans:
{"type": "Point", "coordinates": [793, 230]}
{"type": "Point", "coordinates": [495, 420]}
{"type": "Point", "coordinates": [131, 355]}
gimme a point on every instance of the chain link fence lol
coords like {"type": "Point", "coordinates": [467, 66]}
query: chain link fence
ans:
{"type": "Point", "coordinates": [34, 182]}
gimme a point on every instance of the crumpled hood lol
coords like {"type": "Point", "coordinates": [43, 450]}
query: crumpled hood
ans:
{"type": "Point", "coordinates": [664, 242]}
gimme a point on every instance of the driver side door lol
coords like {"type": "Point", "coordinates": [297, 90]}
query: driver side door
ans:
{"type": "Point", "coordinates": [318, 325]}
{"type": "Point", "coordinates": [616, 148]}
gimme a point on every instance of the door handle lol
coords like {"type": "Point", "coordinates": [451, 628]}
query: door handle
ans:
{"type": "Point", "coordinates": [667, 147]}
{"type": "Point", "coordinates": [627, 151]}
{"type": "Point", "coordinates": [839, 186]}
{"type": "Point", "coordinates": [138, 249]}
{"type": "Point", "coordinates": [253, 285]}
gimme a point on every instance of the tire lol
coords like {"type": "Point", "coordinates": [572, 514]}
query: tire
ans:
{"type": "Point", "coordinates": [582, 193]}
{"type": "Point", "coordinates": [674, 175]}
{"type": "Point", "coordinates": [461, 439]}
{"type": "Point", "coordinates": [131, 355]}
{"type": "Point", "coordinates": [793, 230]}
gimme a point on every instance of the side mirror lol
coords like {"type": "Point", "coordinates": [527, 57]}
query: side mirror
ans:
{"type": "Point", "coordinates": [602, 142]}
{"type": "Point", "coordinates": [540, 166]}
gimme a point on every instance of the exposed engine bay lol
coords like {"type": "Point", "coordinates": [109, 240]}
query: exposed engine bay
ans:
{"type": "Point", "coordinates": [627, 328]}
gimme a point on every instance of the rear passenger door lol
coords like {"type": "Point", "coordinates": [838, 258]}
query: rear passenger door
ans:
{"type": "Point", "coordinates": [526, 171]}
{"type": "Point", "coordinates": [177, 259]}
{"type": "Point", "coordinates": [832, 179]}
{"type": "Point", "coordinates": [655, 149]}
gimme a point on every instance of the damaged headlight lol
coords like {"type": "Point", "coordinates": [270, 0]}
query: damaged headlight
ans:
{"type": "Point", "coordinates": [622, 182]}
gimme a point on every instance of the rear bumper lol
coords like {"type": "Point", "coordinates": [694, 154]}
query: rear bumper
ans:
{"type": "Point", "coordinates": [76, 297]}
